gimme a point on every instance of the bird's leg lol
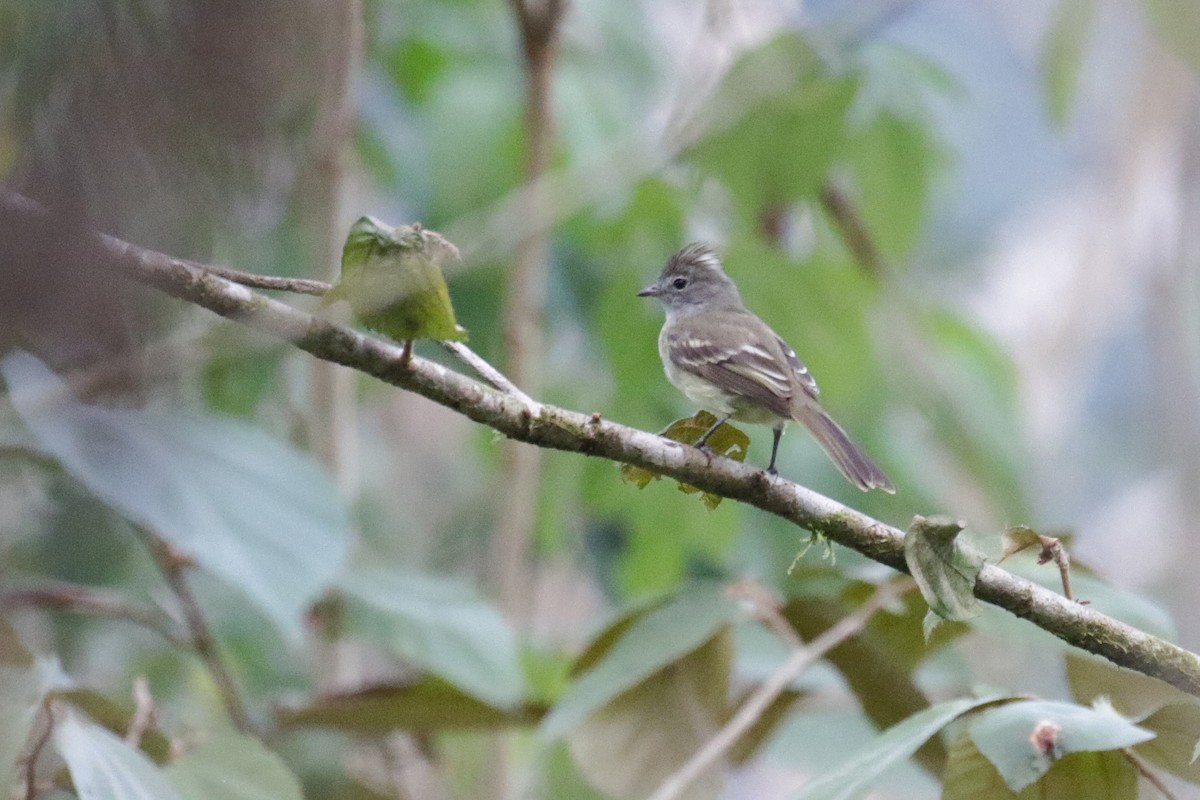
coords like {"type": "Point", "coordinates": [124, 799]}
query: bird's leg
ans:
{"type": "Point", "coordinates": [702, 441]}
{"type": "Point", "coordinates": [775, 449]}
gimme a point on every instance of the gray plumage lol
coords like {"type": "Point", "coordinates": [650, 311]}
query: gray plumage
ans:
{"type": "Point", "coordinates": [728, 361]}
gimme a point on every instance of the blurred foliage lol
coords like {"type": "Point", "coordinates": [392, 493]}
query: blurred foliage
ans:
{"type": "Point", "coordinates": [404, 657]}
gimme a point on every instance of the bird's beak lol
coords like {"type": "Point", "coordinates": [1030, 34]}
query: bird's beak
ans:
{"type": "Point", "coordinates": [650, 291]}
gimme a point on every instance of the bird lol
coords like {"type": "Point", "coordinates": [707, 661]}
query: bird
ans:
{"type": "Point", "coordinates": [729, 362]}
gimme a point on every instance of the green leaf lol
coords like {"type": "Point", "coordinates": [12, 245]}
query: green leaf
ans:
{"type": "Point", "coordinates": [1176, 730]}
{"type": "Point", "coordinates": [879, 663]}
{"type": "Point", "coordinates": [944, 567]}
{"type": "Point", "coordinates": [1024, 739]}
{"type": "Point", "coordinates": [656, 639]}
{"type": "Point", "coordinates": [428, 705]}
{"type": "Point", "coordinates": [20, 693]}
{"type": "Point", "coordinates": [231, 766]}
{"type": "Point", "coordinates": [415, 65]}
{"type": "Point", "coordinates": [392, 278]}
{"type": "Point", "coordinates": [726, 441]}
{"type": "Point", "coordinates": [863, 769]}
{"type": "Point", "coordinates": [970, 776]}
{"type": "Point", "coordinates": [1097, 776]}
{"type": "Point", "coordinates": [440, 624]}
{"type": "Point", "coordinates": [1062, 55]}
{"type": "Point", "coordinates": [251, 509]}
{"type": "Point", "coordinates": [969, 384]}
{"type": "Point", "coordinates": [116, 717]}
{"type": "Point", "coordinates": [641, 736]}
{"type": "Point", "coordinates": [776, 124]}
{"type": "Point", "coordinates": [893, 161]}
{"type": "Point", "coordinates": [1132, 694]}
{"type": "Point", "coordinates": [1106, 775]}
{"type": "Point", "coordinates": [1177, 25]}
{"type": "Point", "coordinates": [103, 767]}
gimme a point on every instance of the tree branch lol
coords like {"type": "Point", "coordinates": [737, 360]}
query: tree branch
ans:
{"type": "Point", "coordinates": [548, 426]}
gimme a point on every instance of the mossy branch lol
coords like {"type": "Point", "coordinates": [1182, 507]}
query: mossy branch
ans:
{"type": "Point", "coordinates": [544, 425]}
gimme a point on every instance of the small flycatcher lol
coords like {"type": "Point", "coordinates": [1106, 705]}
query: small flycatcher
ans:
{"type": "Point", "coordinates": [729, 362]}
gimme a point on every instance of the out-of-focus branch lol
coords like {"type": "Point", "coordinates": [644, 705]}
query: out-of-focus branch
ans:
{"type": "Point", "coordinates": [802, 657]}
{"type": "Point", "coordinates": [853, 230]}
{"type": "Point", "coordinates": [333, 427]}
{"type": "Point", "coordinates": [548, 426]}
{"type": "Point", "coordinates": [538, 24]}
{"type": "Point", "coordinates": [79, 599]}
{"type": "Point", "coordinates": [173, 567]}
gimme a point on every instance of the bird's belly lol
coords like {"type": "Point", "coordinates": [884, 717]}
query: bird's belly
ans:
{"type": "Point", "coordinates": [704, 394]}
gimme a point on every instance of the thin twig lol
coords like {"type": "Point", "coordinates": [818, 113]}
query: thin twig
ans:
{"type": "Point", "coordinates": [767, 609]}
{"type": "Point", "coordinates": [79, 599]}
{"type": "Point", "coordinates": [173, 567]}
{"type": "Point", "coordinates": [776, 683]}
{"type": "Point", "coordinates": [31, 789]}
{"type": "Point", "coordinates": [853, 229]}
{"type": "Point", "coordinates": [1053, 550]}
{"type": "Point", "coordinates": [30, 454]}
{"type": "Point", "coordinates": [1149, 774]}
{"type": "Point", "coordinates": [486, 371]}
{"type": "Point", "coordinates": [145, 714]}
{"type": "Point", "coordinates": [255, 281]}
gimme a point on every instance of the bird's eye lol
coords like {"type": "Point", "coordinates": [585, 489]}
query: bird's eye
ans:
{"type": "Point", "coordinates": [679, 283]}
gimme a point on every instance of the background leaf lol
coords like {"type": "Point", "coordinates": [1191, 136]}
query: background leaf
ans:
{"type": "Point", "coordinates": [105, 768]}
{"type": "Point", "coordinates": [654, 640]}
{"type": "Point", "coordinates": [20, 693]}
{"type": "Point", "coordinates": [427, 705]}
{"type": "Point", "coordinates": [628, 747]}
{"type": "Point", "coordinates": [251, 509]}
{"type": "Point", "coordinates": [440, 624]}
{"type": "Point", "coordinates": [231, 766]}
{"type": "Point", "coordinates": [1062, 55]}
{"type": "Point", "coordinates": [860, 771]}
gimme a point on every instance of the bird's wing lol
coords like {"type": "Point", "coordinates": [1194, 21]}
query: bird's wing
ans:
{"type": "Point", "coordinates": [750, 367]}
{"type": "Point", "coordinates": [806, 381]}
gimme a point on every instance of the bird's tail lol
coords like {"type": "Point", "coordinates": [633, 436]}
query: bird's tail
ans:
{"type": "Point", "coordinates": [850, 460]}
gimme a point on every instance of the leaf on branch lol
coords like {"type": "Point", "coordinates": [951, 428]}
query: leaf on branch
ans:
{"type": "Point", "coordinates": [726, 441]}
{"type": "Point", "coordinates": [1025, 738]}
{"type": "Point", "coordinates": [944, 567]}
{"type": "Point", "coordinates": [392, 279]}
{"type": "Point", "coordinates": [1020, 538]}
